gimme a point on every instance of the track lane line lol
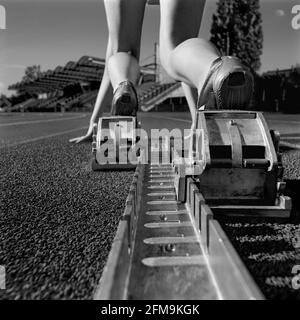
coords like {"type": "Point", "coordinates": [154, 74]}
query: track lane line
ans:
{"type": "Point", "coordinates": [289, 145]}
{"type": "Point", "coordinates": [41, 121]}
{"type": "Point", "coordinates": [169, 118]}
{"type": "Point", "coordinates": [282, 121]}
{"type": "Point", "coordinates": [42, 137]}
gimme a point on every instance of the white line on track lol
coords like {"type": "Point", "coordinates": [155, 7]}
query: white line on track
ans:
{"type": "Point", "coordinates": [41, 121]}
{"type": "Point", "coordinates": [282, 121]}
{"type": "Point", "coordinates": [290, 137]}
{"type": "Point", "coordinates": [290, 145]}
{"type": "Point", "coordinates": [42, 137]}
{"type": "Point", "coordinates": [169, 118]}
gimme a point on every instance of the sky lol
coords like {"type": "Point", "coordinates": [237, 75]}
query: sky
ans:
{"type": "Point", "coordinates": [52, 32]}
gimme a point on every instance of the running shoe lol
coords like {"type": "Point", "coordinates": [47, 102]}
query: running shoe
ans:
{"type": "Point", "coordinates": [229, 85]}
{"type": "Point", "coordinates": [125, 101]}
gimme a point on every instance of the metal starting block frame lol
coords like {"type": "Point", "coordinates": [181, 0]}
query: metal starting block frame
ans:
{"type": "Point", "coordinates": [236, 165]}
{"type": "Point", "coordinates": [119, 133]}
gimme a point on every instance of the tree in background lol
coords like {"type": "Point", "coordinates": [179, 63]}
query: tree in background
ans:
{"type": "Point", "coordinates": [237, 30]}
{"type": "Point", "coordinates": [32, 73]}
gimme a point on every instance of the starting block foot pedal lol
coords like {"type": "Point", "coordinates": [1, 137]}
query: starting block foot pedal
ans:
{"type": "Point", "coordinates": [113, 137]}
{"type": "Point", "coordinates": [236, 165]}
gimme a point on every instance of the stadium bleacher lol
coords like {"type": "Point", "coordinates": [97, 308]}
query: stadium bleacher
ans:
{"type": "Point", "coordinates": [75, 87]}
{"type": "Point", "coordinates": [77, 83]}
{"type": "Point", "coordinates": [156, 94]}
{"type": "Point", "coordinates": [22, 106]}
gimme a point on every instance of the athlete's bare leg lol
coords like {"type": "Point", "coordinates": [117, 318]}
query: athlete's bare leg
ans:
{"type": "Point", "coordinates": [191, 95]}
{"type": "Point", "coordinates": [222, 82]}
{"type": "Point", "coordinates": [184, 56]}
{"type": "Point", "coordinates": [125, 20]}
{"type": "Point", "coordinates": [104, 98]}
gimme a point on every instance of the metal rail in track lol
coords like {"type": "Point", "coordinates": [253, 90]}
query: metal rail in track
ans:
{"type": "Point", "coordinates": [165, 249]}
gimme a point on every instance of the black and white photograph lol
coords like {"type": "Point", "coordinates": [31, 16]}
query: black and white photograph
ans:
{"type": "Point", "coordinates": [149, 151]}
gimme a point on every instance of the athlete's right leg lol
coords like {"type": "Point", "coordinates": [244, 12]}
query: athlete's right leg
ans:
{"type": "Point", "coordinates": [197, 62]}
{"type": "Point", "coordinates": [184, 56]}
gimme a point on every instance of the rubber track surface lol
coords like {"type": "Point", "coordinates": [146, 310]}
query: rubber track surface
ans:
{"type": "Point", "coordinates": [57, 219]}
{"type": "Point", "coordinates": [270, 248]}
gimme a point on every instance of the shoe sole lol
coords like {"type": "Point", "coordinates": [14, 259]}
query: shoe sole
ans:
{"type": "Point", "coordinates": [235, 91]}
{"type": "Point", "coordinates": [124, 106]}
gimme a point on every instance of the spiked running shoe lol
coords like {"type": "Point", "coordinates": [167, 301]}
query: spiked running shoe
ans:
{"type": "Point", "coordinates": [125, 101]}
{"type": "Point", "coordinates": [229, 85]}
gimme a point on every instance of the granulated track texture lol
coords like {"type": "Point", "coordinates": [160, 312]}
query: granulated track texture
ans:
{"type": "Point", "coordinates": [270, 248]}
{"type": "Point", "coordinates": [57, 219]}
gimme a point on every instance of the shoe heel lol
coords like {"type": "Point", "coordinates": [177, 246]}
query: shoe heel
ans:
{"type": "Point", "coordinates": [125, 98]}
{"type": "Point", "coordinates": [236, 79]}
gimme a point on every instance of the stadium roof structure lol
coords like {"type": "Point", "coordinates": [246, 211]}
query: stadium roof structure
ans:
{"type": "Point", "coordinates": [284, 72]}
{"type": "Point", "coordinates": [86, 69]}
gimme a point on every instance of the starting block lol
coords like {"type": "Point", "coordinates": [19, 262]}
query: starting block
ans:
{"type": "Point", "coordinates": [112, 139]}
{"type": "Point", "coordinates": [236, 165]}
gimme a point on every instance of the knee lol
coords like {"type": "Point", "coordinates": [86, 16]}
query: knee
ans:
{"type": "Point", "coordinates": [131, 50]}
{"type": "Point", "coordinates": [124, 56]}
{"type": "Point", "coordinates": [112, 2]}
{"type": "Point", "coordinates": [169, 48]}
{"type": "Point", "coordinates": [169, 60]}
{"type": "Point", "coordinates": [125, 45]}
